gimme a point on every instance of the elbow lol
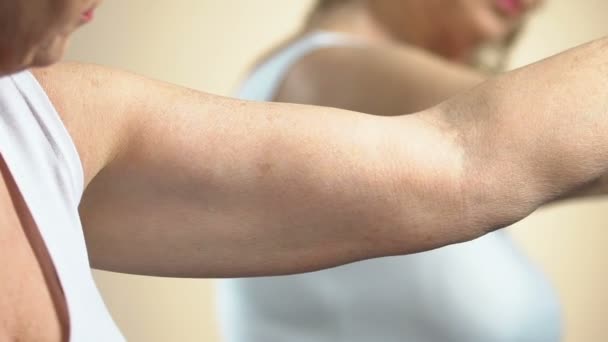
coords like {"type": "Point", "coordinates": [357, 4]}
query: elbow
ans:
{"type": "Point", "coordinates": [486, 189]}
{"type": "Point", "coordinates": [497, 196]}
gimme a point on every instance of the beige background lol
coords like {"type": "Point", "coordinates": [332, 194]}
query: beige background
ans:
{"type": "Point", "coordinates": [207, 44]}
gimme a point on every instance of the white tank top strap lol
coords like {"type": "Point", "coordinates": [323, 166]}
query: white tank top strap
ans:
{"type": "Point", "coordinates": [263, 83]}
{"type": "Point", "coordinates": [46, 167]}
{"type": "Point", "coordinates": [57, 135]}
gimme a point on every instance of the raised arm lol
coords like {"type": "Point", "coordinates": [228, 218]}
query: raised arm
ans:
{"type": "Point", "coordinates": [190, 184]}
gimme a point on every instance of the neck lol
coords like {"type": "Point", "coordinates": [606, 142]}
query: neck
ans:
{"type": "Point", "coordinates": [353, 18]}
{"type": "Point", "coordinates": [361, 18]}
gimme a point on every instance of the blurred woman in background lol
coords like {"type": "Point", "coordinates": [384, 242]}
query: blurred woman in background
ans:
{"type": "Point", "coordinates": [392, 57]}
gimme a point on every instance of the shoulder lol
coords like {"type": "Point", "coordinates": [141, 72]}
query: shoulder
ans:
{"type": "Point", "coordinates": [314, 76]}
{"type": "Point", "coordinates": [93, 103]}
{"type": "Point", "coordinates": [385, 79]}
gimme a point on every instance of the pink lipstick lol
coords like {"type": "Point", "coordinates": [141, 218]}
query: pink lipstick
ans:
{"type": "Point", "coordinates": [88, 15]}
{"type": "Point", "coordinates": [510, 8]}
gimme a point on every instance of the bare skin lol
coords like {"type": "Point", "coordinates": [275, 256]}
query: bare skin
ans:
{"type": "Point", "coordinates": [279, 195]}
{"type": "Point", "coordinates": [393, 73]}
{"type": "Point", "coordinates": [399, 68]}
{"type": "Point", "coordinates": [182, 183]}
{"type": "Point", "coordinates": [377, 78]}
{"type": "Point", "coordinates": [32, 303]}
{"type": "Point", "coordinates": [242, 189]}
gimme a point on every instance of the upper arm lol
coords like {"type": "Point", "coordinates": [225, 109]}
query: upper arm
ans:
{"type": "Point", "coordinates": [185, 183]}
{"type": "Point", "coordinates": [192, 184]}
{"type": "Point", "coordinates": [381, 80]}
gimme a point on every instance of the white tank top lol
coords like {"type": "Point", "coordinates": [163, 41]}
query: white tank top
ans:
{"type": "Point", "coordinates": [46, 167]}
{"type": "Point", "coordinates": [481, 291]}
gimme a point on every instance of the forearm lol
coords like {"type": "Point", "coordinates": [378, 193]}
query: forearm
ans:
{"type": "Point", "coordinates": [534, 134]}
